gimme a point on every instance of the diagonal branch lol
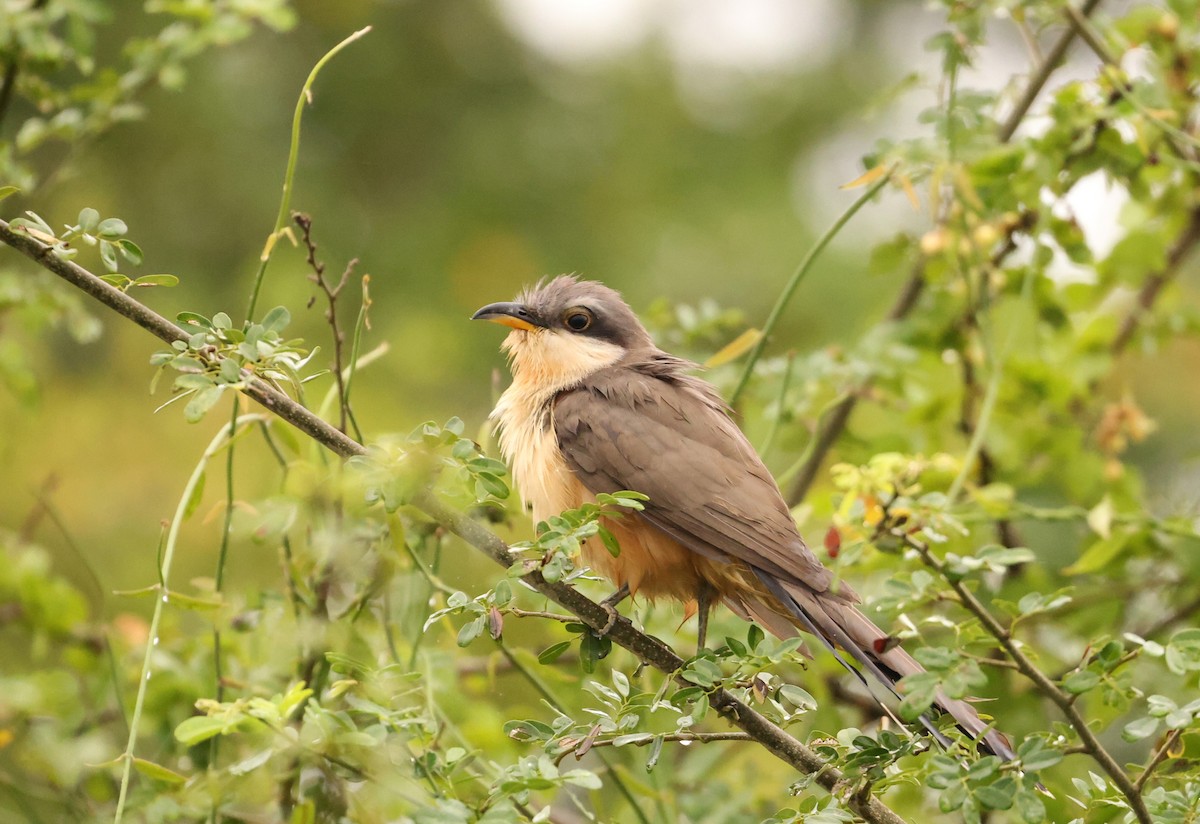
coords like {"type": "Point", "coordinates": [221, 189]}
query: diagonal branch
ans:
{"type": "Point", "coordinates": [647, 648]}
{"type": "Point", "coordinates": [1153, 285]}
{"type": "Point", "coordinates": [1045, 685]}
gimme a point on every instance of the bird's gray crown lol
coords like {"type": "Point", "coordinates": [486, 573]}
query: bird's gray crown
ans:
{"type": "Point", "coordinates": [611, 319]}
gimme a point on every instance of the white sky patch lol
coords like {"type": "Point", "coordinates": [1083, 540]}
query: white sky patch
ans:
{"type": "Point", "coordinates": [1096, 202]}
{"type": "Point", "coordinates": [579, 30]}
{"type": "Point", "coordinates": [754, 35]}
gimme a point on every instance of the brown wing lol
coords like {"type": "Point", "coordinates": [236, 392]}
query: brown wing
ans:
{"type": "Point", "coordinates": [667, 436]}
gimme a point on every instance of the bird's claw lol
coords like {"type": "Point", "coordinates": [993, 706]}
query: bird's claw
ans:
{"type": "Point", "coordinates": [609, 605]}
{"type": "Point", "coordinates": [613, 615]}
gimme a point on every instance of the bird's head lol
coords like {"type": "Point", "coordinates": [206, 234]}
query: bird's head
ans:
{"type": "Point", "coordinates": [566, 329]}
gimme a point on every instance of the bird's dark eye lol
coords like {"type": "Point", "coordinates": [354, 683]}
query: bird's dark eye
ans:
{"type": "Point", "coordinates": [577, 320]}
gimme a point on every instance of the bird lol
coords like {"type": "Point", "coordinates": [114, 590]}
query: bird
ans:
{"type": "Point", "coordinates": [596, 407]}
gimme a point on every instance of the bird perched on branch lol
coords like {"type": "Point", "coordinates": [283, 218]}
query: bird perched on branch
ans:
{"type": "Point", "coordinates": [595, 407]}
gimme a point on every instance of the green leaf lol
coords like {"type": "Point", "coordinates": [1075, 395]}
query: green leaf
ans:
{"type": "Point", "coordinates": [199, 406]}
{"type": "Point", "coordinates": [277, 319]}
{"type": "Point", "coordinates": [1030, 807]}
{"type": "Point", "coordinates": [936, 658]}
{"type": "Point", "coordinates": [754, 636]}
{"type": "Point", "coordinates": [985, 767]}
{"type": "Point", "coordinates": [583, 778]}
{"type": "Point", "coordinates": [192, 731]}
{"type": "Point", "coordinates": [610, 542]}
{"type": "Point", "coordinates": [108, 256]}
{"type": "Point", "coordinates": [252, 763]}
{"type": "Point", "coordinates": [130, 251]}
{"type": "Point", "coordinates": [194, 499]}
{"type": "Point", "coordinates": [797, 697]}
{"type": "Point", "coordinates": [89, 219]}
{"type": "Point", "coordinates": [111, 228]}
{"type": "Point", "coordinates": [158, 772]}
{"type": "Point", "coordinates": [1080, 682]}
{"type": "Point", "coordinates": [919, 692]}
{"type": "Point", "coordinates": [117, 280]}
{"type": "Point", "coordinates": [470, 631]}
{"type": "Point", "coordinates": [1034, 755]}
{"type": "Point", "coordinates": [1139, 729]}
{"type": "Point", "coordinates": [8, 191]}
{"type": "Point", "coordinates": [998, 795]}
{"type": "Point", "coordinates": [553, 652]}
{"type": "Point", "coordinates": [1183, 651]}
{"type": "Point", "coordinates": [193, 319]}
{"type": "Point", "coordinates": [156, 280]}
{"type": "Point", "coordinates": [491, 485]}
{"type": "Point", "coordinates": [1099, 555]}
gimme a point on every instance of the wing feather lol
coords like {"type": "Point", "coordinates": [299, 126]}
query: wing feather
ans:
{"type": "Point", "coordinates": [654, 430]}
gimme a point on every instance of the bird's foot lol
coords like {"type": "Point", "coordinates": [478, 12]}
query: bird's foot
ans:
{"type": "Point", "coordinates": [609, 605]}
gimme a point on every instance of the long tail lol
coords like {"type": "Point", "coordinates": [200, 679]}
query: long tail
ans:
{"type": "Point", "coordinates": [839, 624]}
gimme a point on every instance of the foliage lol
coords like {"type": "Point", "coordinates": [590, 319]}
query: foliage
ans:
{"type": "Point", "coordinates": [983, 495]}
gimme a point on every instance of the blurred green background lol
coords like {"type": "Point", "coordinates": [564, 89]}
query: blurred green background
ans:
{"type": "Point", "coordinates": [460, 151]}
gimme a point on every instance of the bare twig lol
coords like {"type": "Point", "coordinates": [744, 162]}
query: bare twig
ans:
{"type": "Point", "coordinates": [647, 648]}
{"type": "Point", "coordinates": [331, 292]}
{"type": "Point", "coordinates": [549, 616]}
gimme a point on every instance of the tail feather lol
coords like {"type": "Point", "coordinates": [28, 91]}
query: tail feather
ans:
{"type": "Point", "coordinates": [838, 623]}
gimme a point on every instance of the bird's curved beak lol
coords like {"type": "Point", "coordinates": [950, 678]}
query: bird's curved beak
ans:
{"type": "Point", "coordinates": [516, 315]}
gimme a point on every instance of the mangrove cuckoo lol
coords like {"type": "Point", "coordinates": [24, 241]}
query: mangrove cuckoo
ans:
{"type": "Point", "coordinates": [595, 407]}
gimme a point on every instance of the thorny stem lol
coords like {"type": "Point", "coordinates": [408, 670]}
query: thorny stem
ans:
{"type": "Point", "coordinates": [647, 648]}
{"type": "Point", "coordinates": [1063, 700]}
{"type": "Point", "coordinates": [331, 292]}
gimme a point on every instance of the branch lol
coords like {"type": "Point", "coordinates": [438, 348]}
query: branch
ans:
{"type": "Point", "coordinates": [1058, 50]}
{"type": "Point", "coordinates": [1063, 700]}
{"type": "Point", "coordinates": [1153, 285]}
{"type": "Point", "coordinates": [913, 286]}
{"type": "Point", "coordinates": [647, 648]}
{"type": "Point", "coordinates": [1160, 755]}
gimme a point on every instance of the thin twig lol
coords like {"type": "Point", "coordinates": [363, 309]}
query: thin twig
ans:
{"type": "Point", "coordinates": [1160, 755]}
{"type": "Point", "coordinates": [550, 616]}
{"type": "Point", "coordinates": [331, 292]}
{"type": "Point", "coordinates": [1058, 50]}
{"type": "Point", "coordinates": [1153, 285]}
{"type": "Point", "coordinates": [798, 275]}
